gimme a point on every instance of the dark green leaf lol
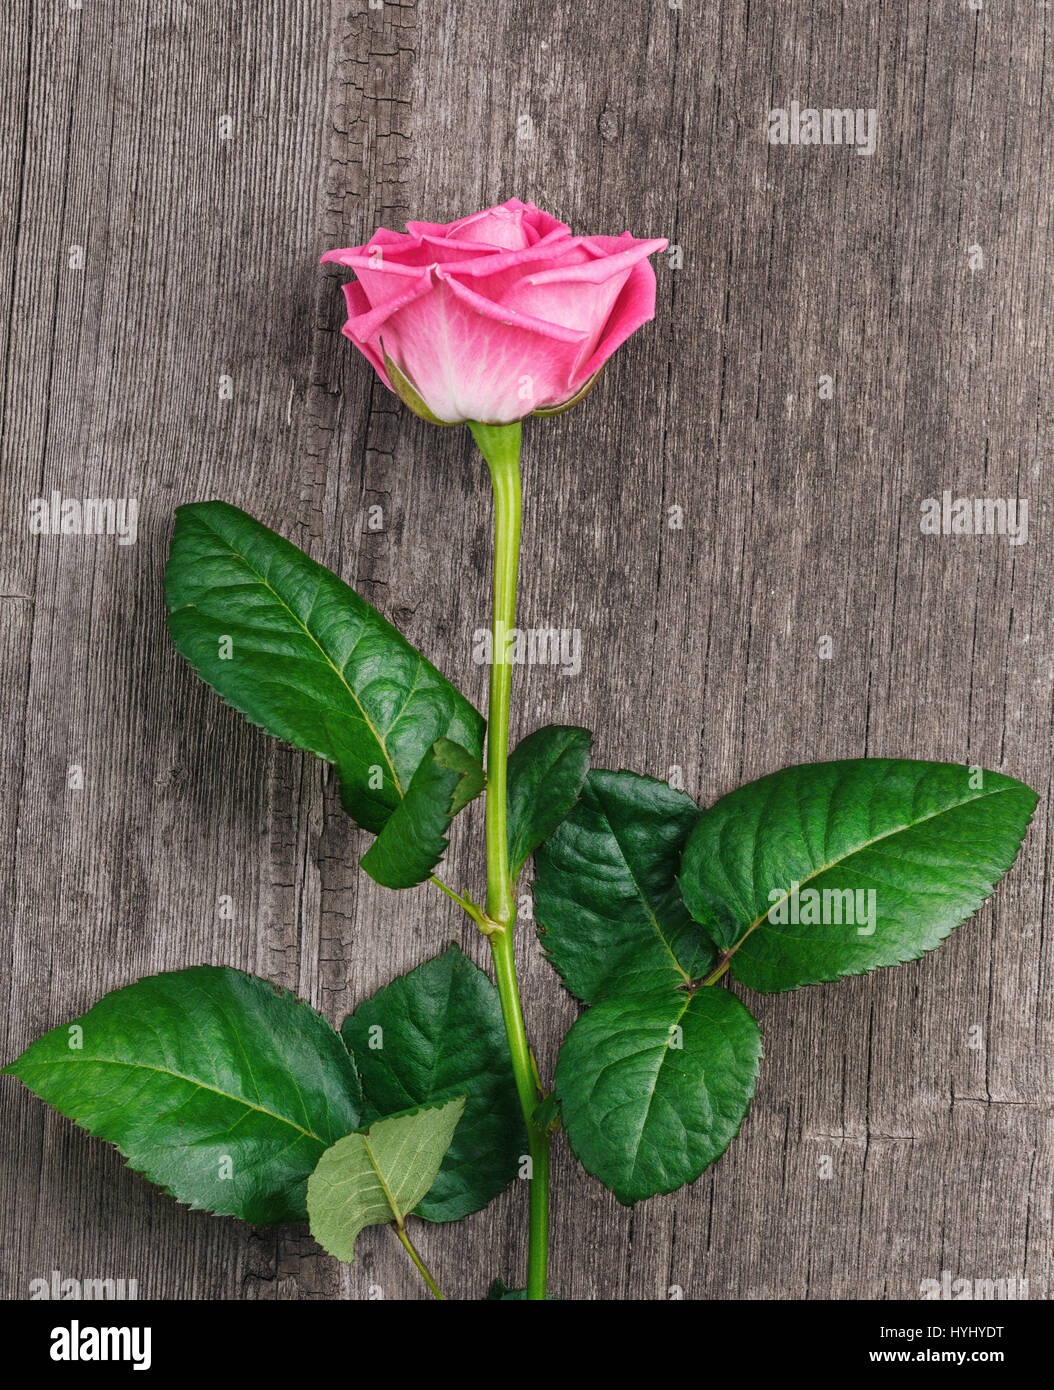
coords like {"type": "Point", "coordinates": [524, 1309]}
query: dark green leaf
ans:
{"type": "Point", "coordinates": [887, 855]}
{"type": "Point", "coordinates": [414, 839]}
{"type": "Point", "coordinates": [606, 889]}
{"type": "Point", "coordinates": [299, 653]}
{"type": "Point", "coordinates": [546, 772]}
{"type": "Point", "coordinates": [379, 1176]}
{"type": "Point", "coordinates": [654, 1087]}
{"type": "Point", "coordinates": [212, 1084]}
{"type": "Point", "coordinates": [430, 1035]}
{"type": "Point", "coordinates": [501, 1293]}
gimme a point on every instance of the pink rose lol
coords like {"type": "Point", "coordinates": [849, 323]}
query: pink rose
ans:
{"type": "Point", "coordinates": [494, 316]}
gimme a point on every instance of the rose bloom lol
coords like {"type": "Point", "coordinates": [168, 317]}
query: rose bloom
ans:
{"type": "Point", "coordinates": [494, 316]}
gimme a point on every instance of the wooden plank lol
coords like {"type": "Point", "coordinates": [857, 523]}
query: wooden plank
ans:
{"type": "Point", "coordinates": [203, 164]}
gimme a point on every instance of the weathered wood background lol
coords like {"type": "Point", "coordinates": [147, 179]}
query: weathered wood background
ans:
{"type": "Point", "coordinates": [701, 645]}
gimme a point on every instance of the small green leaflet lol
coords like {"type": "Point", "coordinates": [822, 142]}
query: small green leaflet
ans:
{"type": "Point", "coordinates": [606, 892]}
{"type": "Point", "coordinates": [431, 1035]}
{"type": "Point", "coordinates": [653, 1087]}
{"type": "Point", "coordinates": [378, 1176]}
{"type": "Point", "coordinates": [299, 653]}
{"type": "Point", "coordinates": [832, 869]}
{"type": "Point", "coordinates": [212, 1084]}
{"type": "Point", "coordinates": [546, 772]}
{"type": "Point", "coordinates": [414, 839]}
{"type": "Point", "coordinates": [546, 1114]}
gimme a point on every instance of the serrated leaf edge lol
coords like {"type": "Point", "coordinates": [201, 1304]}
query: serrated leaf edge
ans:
{"type": "Point", "coordinates": [192, 508]}
{"type": "Point", "coordinates": [675, 1187]}
{"type": "Point", "coordinates": [279, 990]}
{"type": "Point", "coordinates": [727, 957]}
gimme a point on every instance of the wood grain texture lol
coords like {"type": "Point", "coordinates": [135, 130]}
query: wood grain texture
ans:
{"type": "Point", "coordinates": [701, 645]}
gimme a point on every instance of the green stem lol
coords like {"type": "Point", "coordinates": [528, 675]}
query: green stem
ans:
{"type": "Point", "coordinates": [722, 965]}
{"type": "Point", "coordinates": [500, 446]}
{"type": "Point", "coordinates": [537, 1140]}
{"type": "Point", "coordinates": [425, 1275]}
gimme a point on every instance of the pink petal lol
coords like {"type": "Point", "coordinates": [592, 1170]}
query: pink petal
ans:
{"type": "Point", "coordinates": [635, 306]}
{"type": "Point", "coordinates": [368, 324]}
{"type": "Point", "coordinates": [603, 267]}
{"type": "Point", "coordinates": [392, 242]}
{"type": "Point", "coordinates": [482, 268]}
{"type": "Point", "coordinates": [357, 306]}
{"type": "Point", "coordinates": [506, 316]}
{"type": "Point", "coordinates": [468, 364]}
